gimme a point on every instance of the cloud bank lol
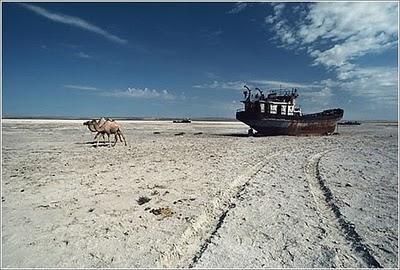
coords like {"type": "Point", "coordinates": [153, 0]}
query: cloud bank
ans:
{"type": "Point", "coordinates": [131, 92]}
{"type": "Point", "coordinates": [144, 93]}
{"type": "Point", "coordinates": [337, 35]}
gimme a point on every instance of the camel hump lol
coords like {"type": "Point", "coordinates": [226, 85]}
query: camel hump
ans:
{"type": "Point", "coordinates": [102, 121]}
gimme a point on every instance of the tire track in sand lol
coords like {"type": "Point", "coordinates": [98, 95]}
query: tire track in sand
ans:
{"type": "Point", "coordinates": [196, 238]}
{"type": "Point", "coordinates": [326, 206]}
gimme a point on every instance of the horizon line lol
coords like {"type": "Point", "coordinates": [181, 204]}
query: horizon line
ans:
{"type": "Point", "coordinates": [153, 118]}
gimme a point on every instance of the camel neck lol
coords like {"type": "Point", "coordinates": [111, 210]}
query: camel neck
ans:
{"type": "Point", "coordinates": [92, 128]}
{"type": "Point", "coordinates": [97, 127]}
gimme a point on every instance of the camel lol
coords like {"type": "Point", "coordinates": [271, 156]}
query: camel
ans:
{"type": "Point", "coordinates": [109, 127]}
{"type": "Point", "coordinates": [92, 129]}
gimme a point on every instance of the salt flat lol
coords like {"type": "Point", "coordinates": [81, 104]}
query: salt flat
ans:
{"type": "Point", "coordinates": [217, 199]}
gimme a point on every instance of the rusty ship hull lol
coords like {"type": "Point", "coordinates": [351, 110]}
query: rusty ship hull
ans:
{"type": "Point", "coordinates": [322, 123]}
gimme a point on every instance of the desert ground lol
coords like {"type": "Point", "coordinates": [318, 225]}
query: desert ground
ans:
{"type": "Point", "coordinates": [198, 195]}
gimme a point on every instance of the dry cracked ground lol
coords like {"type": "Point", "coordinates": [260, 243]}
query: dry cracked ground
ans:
{"type": "Point", "coordinates": [198, 195]}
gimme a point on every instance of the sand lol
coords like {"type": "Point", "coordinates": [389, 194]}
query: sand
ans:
{"type": "Point", "coordinates": [206, 198]}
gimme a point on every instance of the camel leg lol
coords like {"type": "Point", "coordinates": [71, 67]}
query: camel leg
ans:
{"type": "Point", "coordinates": [95, 137]}
{"type": "Point", "coordinates": [104, 138]}
{"type": "Point", "coordinates": [120, 133]}
{"type": "Point", "coordinates": [115, 139]}
{"type": "Point", "coordinates": [109, 141]}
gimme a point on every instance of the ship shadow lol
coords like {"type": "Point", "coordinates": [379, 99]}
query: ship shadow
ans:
{"type": "Point", "coordinates": [241, 135]}
{"type": "Point", "coordinates": [233, 135]}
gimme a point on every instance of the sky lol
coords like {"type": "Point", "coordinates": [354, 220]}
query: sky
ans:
{"type": "Point", "coordinates": [193, 59]}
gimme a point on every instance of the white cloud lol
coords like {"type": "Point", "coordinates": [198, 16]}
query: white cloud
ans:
{"type": "Point", "coordinates": [318, 93]}
{"type": "Point", "coordinates": [74, 21]}
{"type": "Point", "coordinates": [140, 93]}
{"type": "Point", "coordinates": [81, 87]}
{"type": "Point", "coordinates": [379, 83]}
{"type": "Point", "coordinates": [239, 85]}
{"type": "Point", "coordinates": [144, 93]}
{"type": "Point", "coordinates": [131, 92]}
{"type": "Point", "coordinates": [212, 37]}
{"type": "Point", "coordinates": [239, 7]}
{"type": "Point", "coordinates": [70, 46]}
{"type": "Point", "coordinates": [236, 85]}
{"type": "Point", "coordinates": [280, 26]}
{"type": "Point", "coordinates": [320, 97]}
{"type": "Point", "coordinates": [211, 75]}
{"type": "Point", "coordinates": [337, 34]}
{"type": "Point", "coordinates": [339, 21]}
{"type": "Point", "coordinates": [353, 28]}
{"type": "Point", "coordinates": [83, 55]}
{"type": "Point", "coordinates": [278, 84]}
{"type": "Point", "coordinates": [227, 108]}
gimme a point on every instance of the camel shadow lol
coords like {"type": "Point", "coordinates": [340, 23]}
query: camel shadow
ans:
{"type": "Point", "coordinates": [100, 145]}
{"type": "Point", "coordinates": [93, 143]}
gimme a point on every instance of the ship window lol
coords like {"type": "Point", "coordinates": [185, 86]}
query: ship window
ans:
{"type": "Point", "coordinates": [272, 109]}
{"type": "Point", "coordinates": [290, 110]}
{"type": "Point", "coordinates": [262, 107]}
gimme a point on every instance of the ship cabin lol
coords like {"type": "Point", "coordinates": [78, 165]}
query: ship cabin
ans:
{"type": "Point", "coordinates": [275, 103]}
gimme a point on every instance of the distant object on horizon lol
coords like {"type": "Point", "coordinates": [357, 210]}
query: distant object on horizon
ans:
{"type": "Point", "coordinates": [277, 114]}
{"type": "Point", "coordinates": [184, 120]}
{"type": "Point", "coordinates": [350, 123]}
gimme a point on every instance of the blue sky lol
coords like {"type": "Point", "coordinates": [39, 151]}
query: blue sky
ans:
{"type": "Point", "coordinates": [192, 59]}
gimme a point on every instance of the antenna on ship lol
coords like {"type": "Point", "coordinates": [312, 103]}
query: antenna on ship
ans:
{"type": "Point", "coordinates": [261, 92]}
{"type": "Point", "coordinates": [248, 89]}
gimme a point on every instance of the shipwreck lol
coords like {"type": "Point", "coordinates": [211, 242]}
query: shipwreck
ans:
{"type": "Point", "coordinates": [277, 114]}
{"type": "Point", "coordinates": [182, 121]}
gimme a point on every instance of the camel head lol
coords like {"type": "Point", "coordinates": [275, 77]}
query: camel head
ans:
{"type": "Point", "coordinates": [90, 124]}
